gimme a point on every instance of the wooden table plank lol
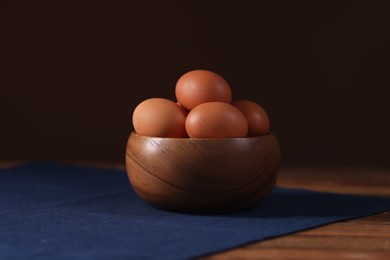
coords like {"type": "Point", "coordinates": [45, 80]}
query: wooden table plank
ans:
{"type": "Point", "coordinates": [362, 238]}
{"type": "Point", "coordinates": [341, 179]}
{"type": "Point", "coordinates": [288, 253]}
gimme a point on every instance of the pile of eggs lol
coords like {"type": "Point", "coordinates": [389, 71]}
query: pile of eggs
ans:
{"type": "Point", "coordinates": [204, 109]}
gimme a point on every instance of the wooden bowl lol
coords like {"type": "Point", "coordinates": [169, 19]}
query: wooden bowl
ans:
{"type": "Point", "coordinates": [202, 175]}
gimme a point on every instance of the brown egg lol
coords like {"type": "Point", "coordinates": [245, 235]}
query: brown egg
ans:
{"type": "Point", "coordinates": [258, 122]}
{"type": "Point", "coordinates": [184, 110]}
{"type": "Point", "coordinates": [185, 113]}
{"type": "Point", "coordinates": [159, 117]}
{"type": "Point", "coordinates": [201, 86]}
{"type": "Point", "coordinates": [216, 120]}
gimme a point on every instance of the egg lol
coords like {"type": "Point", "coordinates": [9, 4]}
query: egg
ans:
{"type": "Point", "coordinates": [181, 107]}
{"type": "Point", "coordinates": [159, 117]}
{"type": "Point", "coordinates": [201, 86]}
{"type": "Point", "coordinates": [258, 122]}
{"type": "Point", "coordinates": [216, 120]}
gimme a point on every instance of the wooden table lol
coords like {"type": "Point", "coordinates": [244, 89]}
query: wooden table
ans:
{"type": "Point", "coordinates": [362, 238]}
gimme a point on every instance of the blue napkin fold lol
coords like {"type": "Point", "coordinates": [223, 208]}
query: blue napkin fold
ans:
{"type": "Point", "coordinates": [56, 211]}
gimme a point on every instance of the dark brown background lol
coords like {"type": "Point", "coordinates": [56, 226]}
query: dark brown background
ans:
{"type": "Point", "coordinates": [72, 72]}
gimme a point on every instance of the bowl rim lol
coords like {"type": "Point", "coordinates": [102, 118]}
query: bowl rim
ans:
{"type": "Point", "coordinates": [269, 134]}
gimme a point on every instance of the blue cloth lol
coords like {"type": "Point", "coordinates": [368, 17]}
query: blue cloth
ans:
{"type": "Point", "coordinates": [55, 211]}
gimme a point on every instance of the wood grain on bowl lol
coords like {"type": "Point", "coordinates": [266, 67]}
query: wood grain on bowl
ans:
{"type": "Point", "coordinates": [186, 174]}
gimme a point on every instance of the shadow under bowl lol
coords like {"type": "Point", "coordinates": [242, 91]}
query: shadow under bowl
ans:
{"type": "Point", "coordinates": [202, 175]}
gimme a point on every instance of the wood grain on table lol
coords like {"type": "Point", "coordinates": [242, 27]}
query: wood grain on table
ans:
{"type": "Point", "coordinates": [361, 238]}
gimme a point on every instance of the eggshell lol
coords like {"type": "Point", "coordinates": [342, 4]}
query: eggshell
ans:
{"type": "Point", "coordinates": [258, 121]}
{"type": "Point", "coordinates": [201, 86]}
{"type": "Point", "coordinates": [159, 117]}
{"type": "Point", "coordinates": [181, 107]}
{"type": "Point", "coordinates": [216, 120]}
